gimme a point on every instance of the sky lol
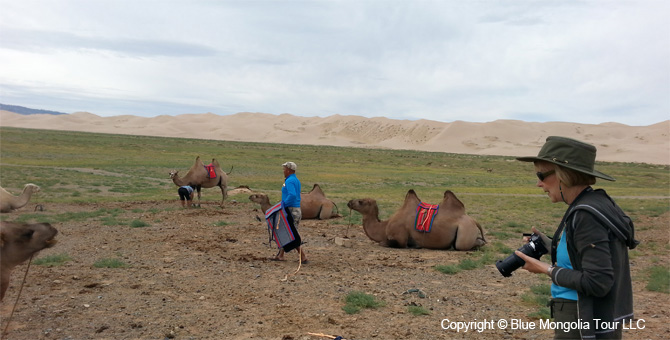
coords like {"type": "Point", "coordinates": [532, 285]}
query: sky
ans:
{"type": "Point", "coordinates": [478, 61]}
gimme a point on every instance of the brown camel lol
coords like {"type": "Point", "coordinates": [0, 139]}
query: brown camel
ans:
{"type": "Point", "coordinates": [198, 177]}
{"type": "Point", "coordinates": [452, 227]}
{"type": "Point", "coordinates": [9, 202]}
{"type": "Point", "coordinates": [263, 200]}
{"type": "Point", "coordinates": [314, 205]}
{"type": "Point", "coordinates": [18, 242]}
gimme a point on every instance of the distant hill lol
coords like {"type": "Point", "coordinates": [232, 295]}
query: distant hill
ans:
{"type": "Point", "coordinates": [28, 111]}
{"type": "Point", "coordinates": [615, 142]}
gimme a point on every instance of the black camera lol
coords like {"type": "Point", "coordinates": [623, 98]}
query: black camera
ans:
{"type": "Point", "coordinates": [535, 249]}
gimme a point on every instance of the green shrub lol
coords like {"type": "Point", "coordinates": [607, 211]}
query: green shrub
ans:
{"type": "Point", "coordinates": [467, 264]}
{"type": "Point", "coordinates": [444, 269]}
{"type": "Point", "coordinates": [418, 310]}
{"type": "Point", "coordinates": [355, 301]}
{"type": "Point", "coordinates": [138, 224]}
{"type": "Point", "coordinates": [52, 260]}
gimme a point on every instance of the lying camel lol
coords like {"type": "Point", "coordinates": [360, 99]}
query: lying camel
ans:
{"type": "Point", "coordinates": [451, 228]}
{"type": "Point", "coordinates": [314, 205]}
{"type": "Point", "coordinates": [18, 242]}
{"type": "Point", "coordinates": [9, 202]}
{"type": "Point", "coordinates": [198, 177]}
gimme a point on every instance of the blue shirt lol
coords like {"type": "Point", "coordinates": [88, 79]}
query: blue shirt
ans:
{"type": "Point", "coordinates": [563, 260]}
{"type": "Point", "coordinates": [188, 188]}
{"type": "Point", "coordinates": [290, 191]}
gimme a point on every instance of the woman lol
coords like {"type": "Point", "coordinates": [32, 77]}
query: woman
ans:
{"type": "Point", "coordinates": [591, 284]}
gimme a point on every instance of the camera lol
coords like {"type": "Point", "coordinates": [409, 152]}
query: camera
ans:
{"type": "Point", "coordinates": [534, 248]}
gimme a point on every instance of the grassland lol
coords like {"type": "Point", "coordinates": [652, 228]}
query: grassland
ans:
{"type": "Point", "coordinates": [86, 167]}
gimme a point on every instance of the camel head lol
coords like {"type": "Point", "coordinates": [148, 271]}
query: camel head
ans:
{"type": "Point", "coordinates": [18, 241]}
{"type": "Point", "coordinates": [32, 188]}
{"type": "Point", "coordinates": [173, 174]}
{"type": "Point", "coordinates": [260, 199]}
{"type": "Point", "coordinates": [365, 206]}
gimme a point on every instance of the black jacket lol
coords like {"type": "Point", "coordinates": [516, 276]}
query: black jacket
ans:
{"type": "Point", "coordinates": [598, 235]}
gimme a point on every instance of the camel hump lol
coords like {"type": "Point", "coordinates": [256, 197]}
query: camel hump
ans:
{"type": "Point", "coordinates": [198, 161]}
{"type": "Point", "coordinates": [316, 189]}
{"type": "Point", "coordinates": [215, 163]}
{"type": "Point", "coordinates": [410, 193]}
{"type": "Point", "coordinates": [412, 197]}
{"type": "Point", "coordinates": [451, 201]}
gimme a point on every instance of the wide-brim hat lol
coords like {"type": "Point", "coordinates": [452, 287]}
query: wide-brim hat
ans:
{"type": "Point", "coordinates": [569, 153]}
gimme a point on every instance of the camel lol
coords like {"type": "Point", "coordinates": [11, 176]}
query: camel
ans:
{"type": "Point", "coordinates": [9, 202]}
{"type": "Point", "coordinates": [18, 242]}
{"type": "Point", "coordinates": [198, 178]}
{"type": "Point", "coordinates": [314, 204]}
{"type": "Point", "coordinates": [452, 227]}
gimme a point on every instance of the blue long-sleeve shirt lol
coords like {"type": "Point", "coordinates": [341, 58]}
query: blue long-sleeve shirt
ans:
{"type": "Point", "coordinates": [290, 191]}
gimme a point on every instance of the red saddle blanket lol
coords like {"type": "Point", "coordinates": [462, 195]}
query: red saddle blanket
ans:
{"type": "Point", "coordinates": [211, 171]}
{"type": "Point", "coordinates": [425, 214]}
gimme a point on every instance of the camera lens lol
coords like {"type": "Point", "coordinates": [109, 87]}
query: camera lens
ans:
{"type": "Point", "coordinates": [510, 264]}
{"type": "Point", "coordinates": [535, 249]}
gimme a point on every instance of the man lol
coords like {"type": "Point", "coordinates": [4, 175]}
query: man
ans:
{"type": "Point", "coordinates": [290, 196]}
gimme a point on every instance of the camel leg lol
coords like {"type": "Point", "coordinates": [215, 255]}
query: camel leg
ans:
{"type": "Point", "coordinates": [198, 189]}
{"type": "Point", "coordinates": [396, 237]}
{"type": "Point", "coordinates": [224, 193]}
{"type": "Point", "coordinates": [467, 238]}
{"type": "Point", "coordinates": [4, 283]}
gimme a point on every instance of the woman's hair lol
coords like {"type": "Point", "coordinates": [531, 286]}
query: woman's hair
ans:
{"type": "Point", "coordinates": [569, 177]}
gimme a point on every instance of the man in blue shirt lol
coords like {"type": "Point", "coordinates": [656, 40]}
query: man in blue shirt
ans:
{"type": "Point", "coordinates": [290, 196]}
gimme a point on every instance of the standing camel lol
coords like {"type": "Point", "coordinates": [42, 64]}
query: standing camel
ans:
{"type": "Point", "coordinates": [198, 177]}
{"type": "Point", "coordinates": [9, 202]}
{"type": "Point", "coordinates": [451, 227]}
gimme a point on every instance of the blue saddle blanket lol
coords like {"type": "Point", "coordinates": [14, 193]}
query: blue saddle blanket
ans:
{"type": "Point", "coordinates": [282, 228]}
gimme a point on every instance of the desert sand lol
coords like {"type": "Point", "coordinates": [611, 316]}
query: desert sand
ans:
{"type": "Point", "coordinates": [615, 142]}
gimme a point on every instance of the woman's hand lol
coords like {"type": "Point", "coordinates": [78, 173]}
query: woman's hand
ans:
{"type": "Point", "coordinates": [533, 265]}
{"type": "Point", "coordinates": [543, 237]}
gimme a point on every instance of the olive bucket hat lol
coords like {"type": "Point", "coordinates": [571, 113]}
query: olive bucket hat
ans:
{"type": "Point", "coordinates": [569, 153]}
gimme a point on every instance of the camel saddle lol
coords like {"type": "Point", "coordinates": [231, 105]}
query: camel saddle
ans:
{"type": "Point", "coordinates": [211, 171]}
{"type": "Point", "coordinates": [425, 214]}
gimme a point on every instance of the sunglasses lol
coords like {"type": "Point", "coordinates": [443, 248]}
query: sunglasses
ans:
{"type": "Point", "coordinates": [543, 175]}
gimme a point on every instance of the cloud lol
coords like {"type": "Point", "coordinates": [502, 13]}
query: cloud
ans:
{"type": "Point", "coordinates": [50, 41]}
{"type": "Point", "coordinates": [443, 60]}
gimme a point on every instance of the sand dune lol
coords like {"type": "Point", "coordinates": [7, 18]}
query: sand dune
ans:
{"type": "Point", "coordinates": [615, 142]}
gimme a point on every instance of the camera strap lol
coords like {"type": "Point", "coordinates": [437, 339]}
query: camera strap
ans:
{"type": "Point", "coordinates": [555, 240]}
{"type": "Point", "coordinates": [559, 231]}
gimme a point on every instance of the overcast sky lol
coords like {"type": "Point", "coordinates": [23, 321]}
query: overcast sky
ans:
{"type": "Point", "coordinates": [477, 61]}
